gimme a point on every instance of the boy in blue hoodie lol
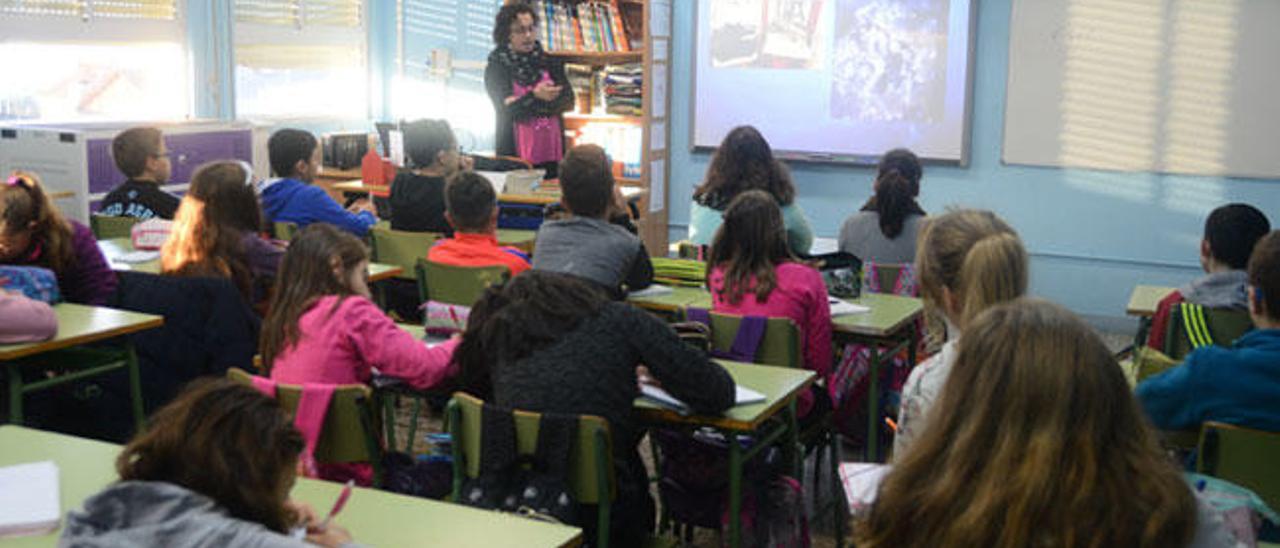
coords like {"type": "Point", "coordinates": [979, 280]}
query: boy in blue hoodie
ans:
{"type": "Point", "coordinates": [295, 159]}
{"type": "Point", "coordinates": [1238, 385]}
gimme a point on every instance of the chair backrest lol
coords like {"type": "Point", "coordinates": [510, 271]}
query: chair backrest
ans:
{"type": "Point", "coordinates": [459, 285]}
{"type": "Point", "coordinates": [284, 230]}
{"type": "Point", "coordinates": [779, 346]}
{"type": "Point", "coordinates": [591, 477]}
{"type": "Point", "coordinates": [350, 432]}
{"type": "Point", "coordinates": [1242, 456]}
{"type": "Point", "coordinates": [1220, 326]}
{"type": "Point", "coordinates": [401, 248]}
{"type": "Point", "coordinates": [106, 227]}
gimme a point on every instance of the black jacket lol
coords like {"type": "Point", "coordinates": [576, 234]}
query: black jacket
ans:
{"type": "Point", "coordinates": [141, 199]}
{"type": "Point", "coordinates": [498, 82]}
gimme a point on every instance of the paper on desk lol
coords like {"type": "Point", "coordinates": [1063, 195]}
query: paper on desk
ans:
{"type": "Point", "coordinates": [861, 481]}
{"type": "Point", "coordinates": [651, 291]}
{"type": "Point", "coordinates": [137, 256]}
{"type": "Point", "coordinates": [823, 246]}
{"type": "Point", "coordinates": [841, 307]}
{"type": "Point", "coordinates": [29, 503]}
{"type": "Point", "coordinates": [742, 396]}
{"type": "Point", "coordinates": [496, 178]}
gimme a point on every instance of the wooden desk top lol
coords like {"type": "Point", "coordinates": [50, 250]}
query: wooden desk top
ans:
{"type": "Point", "coordinates": [114, 248]}
{"type": "Point", "coordinates": [375, 518]}
{"type": "Point", "coordinates": [1144, 300]}
{"type": "Point", "coordinates": [888, 313]}
{"type": "Point", "coordinates": [544, 197]}
{"type": "Point", "coordinates": [80, 324]}
{"type": "Point", "coordinates": [778, 384]}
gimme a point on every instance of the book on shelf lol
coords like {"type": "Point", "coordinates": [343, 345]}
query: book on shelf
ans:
{"type": "Point", "coordinates": [585, 27]}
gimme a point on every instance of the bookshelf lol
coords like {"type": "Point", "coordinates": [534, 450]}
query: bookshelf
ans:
{"type": "Point", "coordinates": [641, 36]}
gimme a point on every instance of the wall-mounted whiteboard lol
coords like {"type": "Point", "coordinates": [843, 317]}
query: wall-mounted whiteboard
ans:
{"type": "Point", "coordinates": [1173, 86]}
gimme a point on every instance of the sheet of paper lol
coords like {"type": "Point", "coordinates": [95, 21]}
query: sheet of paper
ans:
{"type": "Point", "coordinates": [397, 147]}
{"type": "Point", "coordinates": [29, 503]}
{"type": "Point", "coordinates": [657, 136]}
{"type": "Point", "coordinates": [660, 49]}
{"type": "Point", "coordinates": [861, 481]}
{"type": "Point", "coordinates": [496, 178]}
{"type": "Point", "coordinates": [651, 291]}
{"type": "Point", "coordinates": [137, 256]}
{"type": "Point", "coordinates": [658, 92]}
{"type": "Point", "coordinates": [659, 18]}
{"type": "Point", "coordinates": [742, 396]}
{"type": "Point", "coordinates": [840, 307]}
{"type": "Point", "coordinates": [657, 185]}
{"type": "Point", "coordinates": [822, 246]}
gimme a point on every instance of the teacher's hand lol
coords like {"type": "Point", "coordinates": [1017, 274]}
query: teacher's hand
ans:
{"type": "Point", "coordinates": [546, 92]}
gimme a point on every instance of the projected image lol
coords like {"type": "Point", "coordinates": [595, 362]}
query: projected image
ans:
{"type": "Point", "coordinates": [782, 34]}
{"type": "Point", "coordinates": [890, 61]}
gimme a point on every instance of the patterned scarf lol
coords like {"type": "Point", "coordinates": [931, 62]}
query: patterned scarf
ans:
{"type": "Point", "coordinates": [526, 68]}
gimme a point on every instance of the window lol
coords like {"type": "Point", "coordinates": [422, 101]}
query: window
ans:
{"type": "Point", "coordinates": [301, 58]}
{"type": "Point", "coordinates": [67, 60]}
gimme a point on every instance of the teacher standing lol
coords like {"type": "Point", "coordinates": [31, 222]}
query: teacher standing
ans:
{"type": "Point", "coordinates": [529, 90]}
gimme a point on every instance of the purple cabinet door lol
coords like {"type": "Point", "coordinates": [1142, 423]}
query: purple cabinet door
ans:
{"type": "Point", "coordinates": [187, 151]}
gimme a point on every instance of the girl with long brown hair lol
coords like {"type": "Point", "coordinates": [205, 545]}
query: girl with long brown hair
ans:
{"type": "Point", "coordinates": [216, 232]}
{"type": "Point", "coordinates": [751, 272]}
{"type": "Point", "coordinates": [886, 227]}
{"type": "Point", "coordinates": [744, 161]}
{"type": "Point", "coordinates": [968, 260]}
{"type": "Point", "coordinates": [214, 469]}
{"type": "Point", "coordinates": [1036, 441]}
{"type": "Point", "coordinates": [33, 232]}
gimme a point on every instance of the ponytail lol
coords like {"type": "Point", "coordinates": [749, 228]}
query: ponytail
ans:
{"type": "Point", "coordinates": [994, 271]}
{"type": "Point", "coordinates": [893, 202]}
{"type": "Point", "coordinates": [974, 254]}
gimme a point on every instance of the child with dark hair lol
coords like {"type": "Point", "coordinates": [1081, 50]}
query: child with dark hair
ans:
{"type": "Point", "coordinates": [586, 244]}
{"type": "Point", "coordinates": [417, 194]}
{"type": "Point", "coordinates": [1237, 385]}
{"type": "Point", "coordinates": [473, 214]}
{"type": "Point", "coordinates": [885, 230]}
{"type": "Point", "coordinates": [214, 469]}
{"type": "Point", "coordinates": [141, 155]}
{"type": "Point", "coordinates": [295, 159]}
{"type": "Point", "coordinates": [1229, 235]}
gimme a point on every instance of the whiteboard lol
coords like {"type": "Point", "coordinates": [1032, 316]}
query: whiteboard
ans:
{"type": "Point", "coordinates": [1170, 86]}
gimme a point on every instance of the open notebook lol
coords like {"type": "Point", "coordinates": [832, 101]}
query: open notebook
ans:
{"type": "Point", "coordinates": [29, 502]}
{"type": "Point", "coordinates": [841, 307]}
{"type": "Point", "coordinates": [742, 396]}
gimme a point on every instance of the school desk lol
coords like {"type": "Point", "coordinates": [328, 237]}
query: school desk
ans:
{"type": "Point", "coordinates": [78, 325]}
{"type": "Point", "coordinates": [115, 248]}
{"type": "Point", "coordinates": [538, 197]}
{"type": "Point", "coordinates": [887, 329]}
{"type": "Point", "coordinates": [1143, 302]}
{"type": "Point", "coordinates": [374, 518]}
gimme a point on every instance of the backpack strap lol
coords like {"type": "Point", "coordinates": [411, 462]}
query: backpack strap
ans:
{"type": "Point", "coordinates": [871, 277]}
{"type": "Point", "coordinates": [309, 420]}
{"type": "Point", "coordinates": [745, 342]}
{"type": "Point", "coordinates": [497, 439]}
{"type": "Point", "coordinates": [905, 283]}
{"type": "Point", "coordinates": [556, 433]}
{"type": "Point", "coordinates": [1196, 325]}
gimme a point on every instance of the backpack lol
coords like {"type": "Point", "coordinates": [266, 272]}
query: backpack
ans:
{"type": "Point", "coordinates": [34, 282]}
{"type": "Point", "coordinates": [532, 485]}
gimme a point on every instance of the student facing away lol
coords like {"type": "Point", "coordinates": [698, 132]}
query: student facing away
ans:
{"type": "Point", "coordinates": [214, 468]}
{"type": "Point", "coordinates": [33, 232]}
{"type": "Point", "coordinates": [296, 158]}
{"type": "Point", "coordinates": [417, 194]}
{"type": "Point", "coordinates": [885, 230]}
{"type": "Point", "coordinates": [1230, 233]}
{"type": "Point", "coordinates": [473, 214]}
{"type": "Point", "coordinates": [1036, 440]}
{"type": "Point", "coordinates": [141, 155]}
{"type": "Point", "coordinates": [1238, 385]}
{"type": "Point", "coordinates": [586, 244]}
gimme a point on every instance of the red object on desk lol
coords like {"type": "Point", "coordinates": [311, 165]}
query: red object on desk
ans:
{"type": "Point", "coordinates": [377, 171]}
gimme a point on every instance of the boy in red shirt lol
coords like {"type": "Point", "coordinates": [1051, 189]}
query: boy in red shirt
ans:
{"type": "Point", "coordinates": [472, 210]}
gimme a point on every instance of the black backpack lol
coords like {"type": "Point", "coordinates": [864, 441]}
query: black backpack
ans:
{"type": "Point", "coordinates": [532, 485]}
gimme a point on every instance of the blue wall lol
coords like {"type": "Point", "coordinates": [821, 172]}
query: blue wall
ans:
{"type": "Point", "coordinates": [1092, 235]}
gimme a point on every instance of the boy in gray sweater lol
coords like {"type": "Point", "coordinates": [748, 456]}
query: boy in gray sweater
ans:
{"type": "Point", "coordinates": [587, 244]}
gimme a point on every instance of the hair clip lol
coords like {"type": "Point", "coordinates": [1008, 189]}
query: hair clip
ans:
{"type": "Point", "coordinates": [17, 180]}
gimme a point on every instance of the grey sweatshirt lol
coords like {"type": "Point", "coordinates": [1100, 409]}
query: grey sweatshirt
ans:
{"type": "Point", "coordinates": [594, 249]}
{"type": "Point", "coordinates": [1219, 290]}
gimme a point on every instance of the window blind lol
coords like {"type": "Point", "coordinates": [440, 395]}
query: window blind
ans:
{"type": "Point", "coordinates": [166, 10]}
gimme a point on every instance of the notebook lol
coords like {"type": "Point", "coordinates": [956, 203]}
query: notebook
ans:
{"type": "Point", "coordinates": [29, 502]}
{"type": "Point", "coordinates": [742, 396]}
{"type": "Point", "coordinates": [861, 481]}
{"type": "Point", "coordinates": [841, 307]}
{"type": "Point", "coordinates": [654, 290]}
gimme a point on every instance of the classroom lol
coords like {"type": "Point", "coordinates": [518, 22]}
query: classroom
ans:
{"type": "Point", "coordinates": [639, 273]}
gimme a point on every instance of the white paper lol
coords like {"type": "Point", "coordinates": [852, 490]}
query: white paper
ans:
{"type": "Point", "coordinates": [657, 186]}
{"type": "Point", "coordinates": [657, 136]}
{"type": "Point", "coordinates": [841, 307]}
{"type": "Point", "coordinates": [822, 246]}
{"type": "Point", "coordinates": [496, 178]}
{"type": "Point", "coordinates": [861, 481]}
{"type": "Point", "coordinates": [651, 291]}
{"type": "Point", "coordinates": [659, 18]}
{"type": "Point", "coordinates": [660, 50]}
{"type": "Point", "coordinates": [397, 147]}
{"type": "Point", "coordinates": [741, 396]}
{"type": "Point", "coordinates": [658, 92]}
{"type": "Point", "coordinates": [29, 502]}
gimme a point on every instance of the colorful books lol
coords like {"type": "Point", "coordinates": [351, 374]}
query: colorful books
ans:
{"type": "Point", "coordinates": [593, 26]}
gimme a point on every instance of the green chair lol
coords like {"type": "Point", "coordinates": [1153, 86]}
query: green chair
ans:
{"type": "Point", "coordinates": [1192, 326]}
{"type": "Point", "coordinates": [1242, 456]}
{"type": "Point", "coordinates": [458, 285]}
{"type": "Point", "coordinates": [284, 230]}
{"type": "Point", "coordinates": [350, 432]}
{"type": "Point", "coordinates": [400, 248]}
{"type": "Point", "coordinates": [106, 227]}
{"type": "Point", "coordinates": [591, 477]}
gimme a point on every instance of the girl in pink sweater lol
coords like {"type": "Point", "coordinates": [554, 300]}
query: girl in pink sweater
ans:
{"type": "Point", "coordinates": [322, 327]}
{"type": "Point", "coordinates": [751, 272]}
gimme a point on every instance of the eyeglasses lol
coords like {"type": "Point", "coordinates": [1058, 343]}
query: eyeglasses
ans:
{"type": "Point", "coordinates": [531, 29]}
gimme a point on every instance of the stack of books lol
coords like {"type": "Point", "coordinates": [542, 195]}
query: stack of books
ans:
{"type": "Point", "coordinates": [622, 89]}
{"type": "Point", "coordinates": [584, 27]}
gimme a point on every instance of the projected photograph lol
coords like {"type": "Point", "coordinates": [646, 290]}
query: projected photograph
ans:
{"type": "Point", "coordinates": [781, 34]}
{"type": "Point", "coordinates": [889, 61]}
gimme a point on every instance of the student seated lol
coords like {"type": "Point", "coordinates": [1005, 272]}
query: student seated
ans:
{"type": "Point", "coordinates": [968, 261]}
{"type": "Point", "coordinates": [549, 342]}
{"type": "Point", "coordinates": [473, 214]}
{"type": "Point", "coordinates": [141, 155]}
{"type": "Point", "coordinates": [218, 232]}
{"type": "Point", "coordinates": [586, 244]}
{"type": "Point", "coordinates": [1036, 441]}
{"type": "Point", "coordinates": [296, 158]}
{"type": "Point", "coordinates": [33, 232]}
{"type": "Point", "coordinates": [214, 468]}
{"type": "Point", "coordinates": [750, 271]}
{"type": "Point", "coordinates": [25, 320]}
{"type": "Point", "coordinates": [1229, 235]}
{"type": "Point", "coordinates": [885, 230]}
{"type": "Point", "coordinates": [743, 162]}
{"type": "Point", "coordinates": [1238, 385]}
{"type": "Point", "coordinates": [417, 194]}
